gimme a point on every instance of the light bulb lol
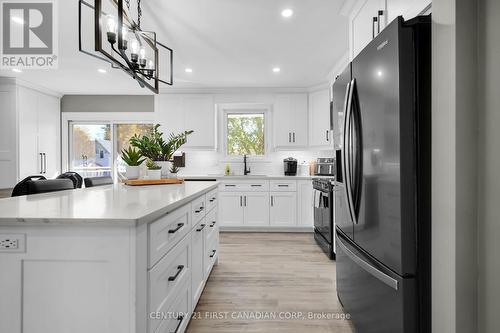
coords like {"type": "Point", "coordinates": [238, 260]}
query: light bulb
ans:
{"type": "Point", "coordinates": [142, 52]}
{"type": "Point", "coordinates": [134, 46]}
{"type": "Point", "coordinates": [111, 23]}
{"type": "Point", "coordinates": [151, 64]}
{"type": "Point", "coordinates": [124, 32]}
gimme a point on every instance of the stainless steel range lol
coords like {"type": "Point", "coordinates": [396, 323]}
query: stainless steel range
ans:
{"type": "Point", "coordinates": [324, 224]}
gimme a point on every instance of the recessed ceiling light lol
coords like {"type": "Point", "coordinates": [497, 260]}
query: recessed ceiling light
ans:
{"type": "Point", "coordinates": [17, 20]}
{"type": "Point", "coordinates": [276, 69]}
{"type": "Point", "coordinates": [16, 70]}
{"type": "Point", "coordinates": [287, 12]}
{"type": "Point", "coordinates": [102, 71]}
{"type": "Point", "coordinates": [188, 70]}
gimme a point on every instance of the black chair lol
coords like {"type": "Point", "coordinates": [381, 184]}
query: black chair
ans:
{"type": "Point", "coordinates": [98, 181]}
{"type": "Point", "coordinates": [74, 177]}
{"type": "Point", "coordinates": [50, 185]}
{"type": "Point", "coordinates": [21, 188]}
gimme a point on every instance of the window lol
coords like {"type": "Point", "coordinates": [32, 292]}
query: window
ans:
{"type": "Point", "coordinates": [245, 134]}
{"type": "Point", "coordinates": [95, 148]}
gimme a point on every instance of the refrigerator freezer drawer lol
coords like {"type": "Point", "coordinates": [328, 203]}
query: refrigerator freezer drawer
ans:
{"type": "Point", "coordinates": [377, 299]}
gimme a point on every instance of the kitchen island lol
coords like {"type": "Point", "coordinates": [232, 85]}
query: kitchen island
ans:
{"type": "Point", "coordinates": [106, 259]}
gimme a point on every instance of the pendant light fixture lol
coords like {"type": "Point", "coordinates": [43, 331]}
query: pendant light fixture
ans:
{"type": "Point", "coordinates": [120, 41]}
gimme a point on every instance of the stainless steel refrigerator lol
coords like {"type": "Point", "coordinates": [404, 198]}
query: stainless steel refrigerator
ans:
{"type": "Point", "coordinates": [383, 207]}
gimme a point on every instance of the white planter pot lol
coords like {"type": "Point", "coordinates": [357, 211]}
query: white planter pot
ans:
{"type": "Point", "coordinates": [173, 175]}
{"type": "Point", "coordinates": [154, 174]}
{"type": "Point", "coordinates": [132, 172]}
{"type": "Point", "coordinates": [165, 168]}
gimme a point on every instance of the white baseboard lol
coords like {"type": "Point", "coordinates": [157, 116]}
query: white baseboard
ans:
{"type": "Point", "coordinates": [264, 229]}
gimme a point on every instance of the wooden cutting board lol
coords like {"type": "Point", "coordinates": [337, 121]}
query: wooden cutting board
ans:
{"type": "Point", "coordinates": [142, 182]}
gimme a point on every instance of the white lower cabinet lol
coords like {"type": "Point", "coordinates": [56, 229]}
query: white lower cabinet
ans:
{"type": "Point", "coordinates": [276, 203]}
{"type": "Point", "coordinates": [197, 261]}
{"type": "Point", "coordinates": [283, 209]}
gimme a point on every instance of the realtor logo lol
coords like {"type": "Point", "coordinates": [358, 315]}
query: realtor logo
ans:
{"type": "Point", "coordinates": [29, 38]}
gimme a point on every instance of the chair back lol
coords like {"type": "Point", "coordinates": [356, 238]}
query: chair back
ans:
{"type": "Point", "coordinates": [74, 177]}
{"type": "Point", "coordinates": [21, 188]}
{"type": "Point", "coordinates": [98, 181]}
{"type": "Point", "coordinates": [50, 185]}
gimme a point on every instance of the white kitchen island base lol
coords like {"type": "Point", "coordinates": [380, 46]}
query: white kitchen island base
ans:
{"type": "Point", "coordinates": [107, 275]}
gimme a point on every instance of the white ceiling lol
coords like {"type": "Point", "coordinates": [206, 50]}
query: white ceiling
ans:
{"type": "Point", "coordinates": [227, 43]}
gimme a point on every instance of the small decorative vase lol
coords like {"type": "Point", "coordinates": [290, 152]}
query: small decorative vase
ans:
{"type": "Point", "coordinates": [154, 174]}
{"type": "Point", "coordinates": [132, 172]}
{"type": "Point", "coordinates": [165, 168]}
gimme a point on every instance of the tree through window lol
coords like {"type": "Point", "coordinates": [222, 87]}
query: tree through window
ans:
{"type": "Point", "coordinates": [245, 134]}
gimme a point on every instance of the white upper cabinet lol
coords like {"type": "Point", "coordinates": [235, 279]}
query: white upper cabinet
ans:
{"type": "Point", "coordinates": [290, 121]}
{"type": "Point", "coordinates": [363, 28]}
{"type": "Point", "coordinates": [178, 113]}
{"type": "Point", "coordinates": [320, 135]}
{"type": "Point", "coordinates": [407, 8]}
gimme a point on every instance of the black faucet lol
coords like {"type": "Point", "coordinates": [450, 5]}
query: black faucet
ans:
{"type": "Point", "coordinates": [245, 170]}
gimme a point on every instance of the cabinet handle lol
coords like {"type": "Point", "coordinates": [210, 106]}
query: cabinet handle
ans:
{"type": "Point", "coordinates": [173, 231]}
{"type": "Point", "coordinates": [241, 201]}
{"type": "Point", "coordinates": [180, 319]}
{"type": "Point", "coordinates": [289, 137]}
{"type": "Point", "coordinates": [375, 20]}
{"type": "Point", "coordinates": [245, 200]}
{"type": "Point", "coordinates": [230, 185]}
{"type": "Point", "coordinates": [327, 136]}
{"type": "Point", "coordinates": [179, 270]}
{"type": "Point", "coordinates": [213, 199]}
{"type": "Point", "coordinates": [41, 162]}
{"type": "Point", "coordinates": [213, 253]}
{"type": "Point", "coordinates": [213, 224]}
{"type": "Point", "coordinates": [44, 163]}
{"type": "Point", "coordinates": [379, 15]}
{"type": "Point", "coordinates": [202, 226]}
{"type": "Point", "coordinates": [199, 210]}
{"type": "Point", "coordinates": [256, 185]}
{"type": "Point", "coordinates": [282, 185]}
{"type": "Point", "coordinates": [293, 137]}
{"type": "Point", "coordinates": [272, 201]}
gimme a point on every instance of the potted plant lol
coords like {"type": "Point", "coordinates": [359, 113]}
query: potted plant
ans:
{"type": "Point", "coordinates": [133, 158]}
{"type": "Point", "coordinates": [157, 149]}
{"type": "Point", "coordinates": [154, 170]}
{"type": "Point", "coordinates": [174, 170]}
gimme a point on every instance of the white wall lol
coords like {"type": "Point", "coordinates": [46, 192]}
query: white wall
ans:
{"type": "Point", "coordinates": [454, 167]}
{"type": "Point", "coordinates": [489, 166]}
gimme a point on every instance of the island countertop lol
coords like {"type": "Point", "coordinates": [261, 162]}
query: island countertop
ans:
{"type": "Point", "coordinates": [115, 205]}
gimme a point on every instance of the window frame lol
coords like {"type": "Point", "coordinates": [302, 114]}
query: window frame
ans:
{"type": "Point", "coordinates": [247, 108]}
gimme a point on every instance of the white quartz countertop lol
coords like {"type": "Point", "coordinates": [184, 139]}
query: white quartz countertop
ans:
{"type": "Point", "coordinates": [250, 177]}
{"type": "Point", "coordinates": [117, 205]}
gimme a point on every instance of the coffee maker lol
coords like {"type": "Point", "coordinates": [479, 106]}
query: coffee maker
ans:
{"type": "Point", "coordinates": [290, 166]}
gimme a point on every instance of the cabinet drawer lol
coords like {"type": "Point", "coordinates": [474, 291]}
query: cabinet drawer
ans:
{"type": "Point", "coordinates": [212, 198]}
{"type": "Point", "coordinates": [171, 272]}
{"type": "Point", "coordinates": [167, 231]}
{"type": "Point", "coordinates": [176, 317]}
{"type": "Point", "coordinates": [211, 252]}
{"type": "Point", "coordinates": [212, 223]}
{"type": "Point", "coordinates": [245, 185]}
{"type": "Point", "coordinates": [198, 208]}
{"type": "Point", "coordinates": [283, 185]}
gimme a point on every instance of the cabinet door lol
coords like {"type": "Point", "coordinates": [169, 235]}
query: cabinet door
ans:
{"type": "Point", "coordinates": [362, 24]}
{"type": "Point", "coordinates": [231, 208]}
{"type": "Point", "coordinates": [319, 115]}
{"type": "Point", "coordinates": [199, 113]}
{"type": "Point", "coordinates": [197, 260]}
{"type": "Point", "coordinates": [29, 157]}
{"type": "Point", "coordinates": [256, 208]}
{"type": "Point", "coordinates": [305, 203]}
{"type": "Point", "coordinates": [283, 121]}
{"type": "Point", "coordinates": [169, 114]}
{"type": "Point", "coordinates": [407, 8]}
{"type": "Point", "coordinates": [300, 117]}
{"type": "Point", "coordinates": [49, 125]}
{"type": "Point", "coordinates": [283, 209]}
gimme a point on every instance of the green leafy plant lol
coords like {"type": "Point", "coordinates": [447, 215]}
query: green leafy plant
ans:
{"type": "Point", "coordinates": [152, 165]}
{"type": "Point", "coordinates": [155, 147]}
{"type": "Point", "coordinates": [174, 168]}
{"type": "Point", "coordinates": [132, 157]}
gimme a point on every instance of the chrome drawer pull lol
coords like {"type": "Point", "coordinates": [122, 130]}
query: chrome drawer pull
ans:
{"type": "Point", "coordinates": [199, 210]}
{"type": "Point", "coordinates": [213, 224]}
{"type": "Point", "coordinates": [180, 319]}
{"type": "Point", "coordinates": [202, 226]}
{"type": "Point", "coordinates": [213, 253]}
{"type": "Point", "coordinates": [179, 270]}
{"type": "Point", "coordinates": [173, 231]}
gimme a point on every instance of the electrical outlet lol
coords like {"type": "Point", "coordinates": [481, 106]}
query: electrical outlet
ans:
{"type": "Point", "coordinates": [12, 243]}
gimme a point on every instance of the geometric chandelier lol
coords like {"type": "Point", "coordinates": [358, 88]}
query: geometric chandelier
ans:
{"type": "Point", "coordinates": [120, 41]}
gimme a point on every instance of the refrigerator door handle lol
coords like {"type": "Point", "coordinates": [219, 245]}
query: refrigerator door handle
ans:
{"type": "Point", "coordinates": [346, 152]}
{"type": "Point", "coordinates": [386, 279]}
{"type": "Point", "coordinates": [357, 169]}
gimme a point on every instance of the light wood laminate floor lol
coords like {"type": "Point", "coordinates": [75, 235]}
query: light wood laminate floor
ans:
{"type": "Point", "coordinates": [272, 274]}
{"type": "Point", "coordinates": [5, 193]}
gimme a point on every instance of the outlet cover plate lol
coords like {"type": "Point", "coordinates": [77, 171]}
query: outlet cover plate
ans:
{"type": "Point", "coordinates": [12, 243]}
